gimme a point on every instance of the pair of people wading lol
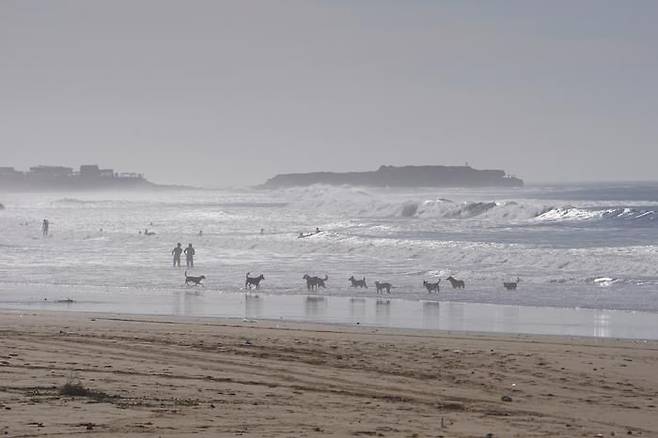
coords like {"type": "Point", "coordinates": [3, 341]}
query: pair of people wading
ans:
{"type": "Point", "coordinates": [189, 255]}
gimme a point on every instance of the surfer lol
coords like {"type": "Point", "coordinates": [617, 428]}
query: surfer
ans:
{"type": "Point", "coordinates": [189, 256]}
{"type": "Point", "coordinates": [177, 252]}
{"type": "Point", "coordinates": [45, 225]}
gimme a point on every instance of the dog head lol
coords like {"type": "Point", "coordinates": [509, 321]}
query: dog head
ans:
{"type": "Point", "coordinates": [305, 277]}
{"type": "Point", "coordinates": [262, 277]}
{"type": "Point", "coordinates": [351, 278]}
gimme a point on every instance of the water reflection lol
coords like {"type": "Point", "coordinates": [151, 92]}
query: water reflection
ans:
{"type": "Point", "coordinates": [315, 306]}
{"type": "Point", "coordinates": [455, 312]}
{"type": "Point", "coordinates": [357, 308]}
{"type": "Point", "coordinates": [601, 324]}
{"type": "Point", "coordinates": [383, 312]}
{"type": "Point", "coordinates": [510, 318]}
{"type": "Point", "coordinates": [253, 306]}
{"type": "Point", "coordinates": [365, 310]}
{"type": "Point", "coordinates": [185, 303]}
{"type": "Point", "coordinates": [431, 314]}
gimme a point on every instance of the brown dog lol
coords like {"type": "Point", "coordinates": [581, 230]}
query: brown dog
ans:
{"type": "Point", "coordinates": [358, 283]}
{"type": "Point", "coordinates": [381, 286]}
{"type": "Point", "coordinates": [315, 282]}
{"type": "Point", "coordinates": [431, 286]}
{"type": "Point", "coordinates": [253, 281]}
{"type": "Point", "coordinates": [194, 280]}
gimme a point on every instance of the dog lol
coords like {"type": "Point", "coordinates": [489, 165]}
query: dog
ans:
{"type": "Point", "coordinates": [456, 284]}
{"type": "Point", "coordinates": [358, 283]}
{"type": "Point", "coordinates": [512, 284]}
{"type": "Point", "coordinates": [431, 286]}
{"type": "Point", "coordinates": [195, 280]}
{"type": "Point", "coordinates": [315, 282]}
{"type": "Point", "coordinates": [381, 286]}
{"type": "Point", "coordinates": [253, 281]}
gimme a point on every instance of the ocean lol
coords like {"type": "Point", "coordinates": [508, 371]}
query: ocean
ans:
{"type": "Point", "coordinates": [589, 246]}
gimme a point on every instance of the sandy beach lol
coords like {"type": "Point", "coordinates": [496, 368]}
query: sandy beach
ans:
{"type": "Point", "coordinates": [166, 376]}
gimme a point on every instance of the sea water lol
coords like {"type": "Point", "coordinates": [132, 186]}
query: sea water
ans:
{"type": "Point", "coordinates": [587, 246]}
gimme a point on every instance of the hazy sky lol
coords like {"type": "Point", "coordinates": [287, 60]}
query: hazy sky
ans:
{"type": "Point", "coordinates": [233, 92]}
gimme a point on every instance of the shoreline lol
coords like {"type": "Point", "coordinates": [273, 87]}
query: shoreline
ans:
{"type": "Point", "coordinates": [179, 376]}
{"type": "Point", "coordinates": [349, 311]}
{"type": "Point", "coordinates": [480, 296]}
{"type": "Point", "coordinates": [321, 326]}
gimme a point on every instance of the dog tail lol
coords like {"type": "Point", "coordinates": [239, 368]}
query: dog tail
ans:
{"type": "Point", "coordinates": [247, 276]}
{"type": "Point", "coordinates": [186, 273]}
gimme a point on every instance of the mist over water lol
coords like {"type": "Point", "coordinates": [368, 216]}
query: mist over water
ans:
{"type": "Point", "coordinates": [570, 249]}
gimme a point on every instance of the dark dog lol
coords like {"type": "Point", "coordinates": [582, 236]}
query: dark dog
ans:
{"type": "Point", "coordinates": [196, 280]}
{"type": "Point", "coordinates": [253, 281]}
{"type": "Point", "coordinates": [512, 284]}
{"type": "Point", "coordinates": [456, 284]}
{"type": "Point", "coordinates": [358, 283]}
{"type": "Point", "coordinates": [431, 286]}
{"type": "Point", "coordinates": [315, 282]}
{"type": "Point", "coordinates": [381, 286]}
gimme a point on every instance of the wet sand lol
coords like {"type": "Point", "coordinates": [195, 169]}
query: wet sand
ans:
{"type": "Point", "coordinates": [320, 308]}
{"type": "Point", "coordinates": [181, 376]}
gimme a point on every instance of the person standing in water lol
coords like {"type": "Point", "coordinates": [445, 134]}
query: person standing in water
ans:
{"type": "Point", "coordinates": [189, 253]}
{"type": "Point", "coordinates": [177, 252]}
{"type": "Point", "coordinates": [44, 227]}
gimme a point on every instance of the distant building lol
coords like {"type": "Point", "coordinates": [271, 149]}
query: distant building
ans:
{"type": "Point", "coordinates": [90, 171]}
{"type": "Point", "coordinates": [51, 171]}
{"type": "Point", "coordinates": [87, 177]}
{"type": "Point", "coordinates": [9, 171]}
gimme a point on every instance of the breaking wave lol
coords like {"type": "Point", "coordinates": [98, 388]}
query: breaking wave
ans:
{"type": "Point", "coordinates": [633, 215]}
{"type": "Point", "coordinates": [353, 202]}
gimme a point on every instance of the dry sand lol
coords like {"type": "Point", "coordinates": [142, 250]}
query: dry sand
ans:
{"type": "Point", "coordinates": [163, 376]}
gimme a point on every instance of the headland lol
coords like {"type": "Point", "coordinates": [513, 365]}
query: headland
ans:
{"type": "Point", "coordinates": [404, 176]}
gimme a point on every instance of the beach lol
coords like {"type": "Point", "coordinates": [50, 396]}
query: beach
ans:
{"type": "Point", "coordinates": [181, 376]}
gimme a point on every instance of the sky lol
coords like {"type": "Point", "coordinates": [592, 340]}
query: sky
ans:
{"type": "Point", "coordinates": [230, 93]}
